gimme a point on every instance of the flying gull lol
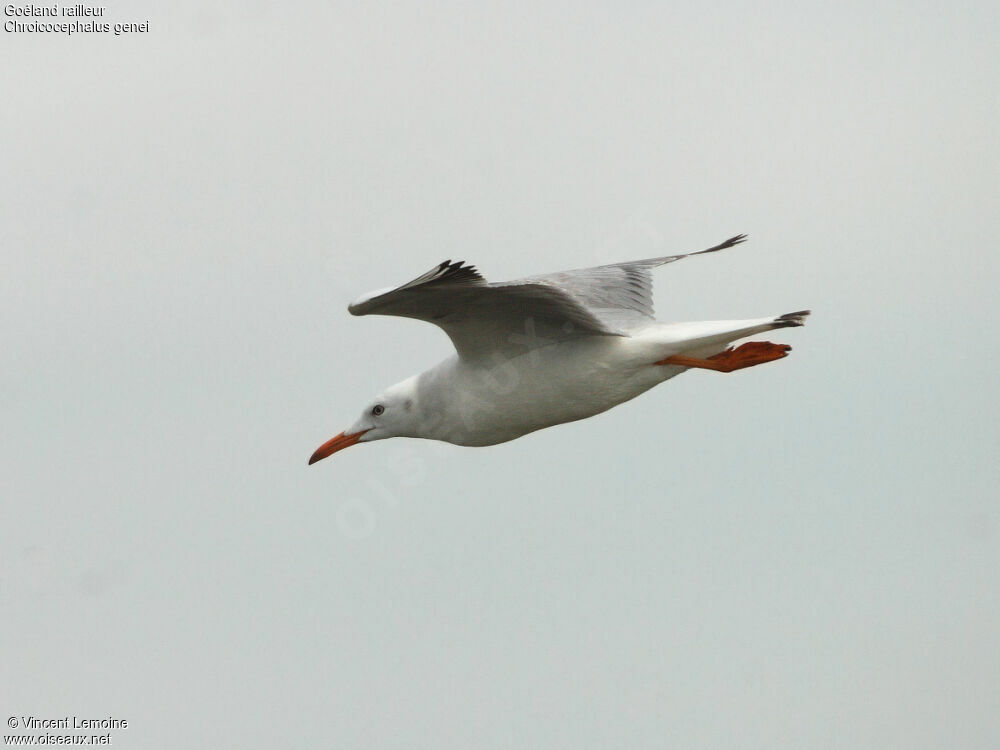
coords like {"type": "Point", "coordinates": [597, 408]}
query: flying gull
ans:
{"type": "Point", "coordinates": [542, 350]}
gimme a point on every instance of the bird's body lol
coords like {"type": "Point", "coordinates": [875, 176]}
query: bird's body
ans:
{"type": "Point", "coordinates": [485, 403]}
{"type": "Point", "coordinates": [542, 351]}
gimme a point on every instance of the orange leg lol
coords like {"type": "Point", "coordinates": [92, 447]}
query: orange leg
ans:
{"type": "Point", "coordinates": [746, 355]}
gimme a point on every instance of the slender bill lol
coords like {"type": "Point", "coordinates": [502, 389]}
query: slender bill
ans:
{"type": "Point", "coordinates": [343, 440]}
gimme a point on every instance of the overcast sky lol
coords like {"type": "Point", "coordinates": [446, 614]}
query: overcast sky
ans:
{"type": "Point", "coordinates": [800, 555]}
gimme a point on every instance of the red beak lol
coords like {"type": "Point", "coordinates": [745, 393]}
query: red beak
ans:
{"type": "Point", "coordinates": [343, 440]}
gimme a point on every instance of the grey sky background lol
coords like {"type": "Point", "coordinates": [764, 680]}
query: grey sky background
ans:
{"type": "Point", "coordinates": [801, 555]}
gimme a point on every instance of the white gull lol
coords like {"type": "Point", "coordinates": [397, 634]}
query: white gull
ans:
{"type": "Point", "coordinates": [542, 350]}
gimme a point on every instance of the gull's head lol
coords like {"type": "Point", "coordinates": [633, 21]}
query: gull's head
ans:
{"type": "Point", "coordinates": [393, 413]}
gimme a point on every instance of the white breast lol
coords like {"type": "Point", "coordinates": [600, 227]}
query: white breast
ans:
{"type": "Point", "coordinates": [496, 401]}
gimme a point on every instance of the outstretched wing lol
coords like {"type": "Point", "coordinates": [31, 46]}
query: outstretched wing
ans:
{"type": "Point", "coordinates": [515, 316]}
{"type": "Point", "coordinates": [482, 318]}
{"type": "Point", "coordinates": [620, 295]}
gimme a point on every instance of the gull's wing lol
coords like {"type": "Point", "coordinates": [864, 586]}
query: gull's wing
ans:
{"type": "Point", "coordinates": [512, 317]}
{"type": "Point", "coordinates": [620, 295]}
{"type": "Point", "coordinates": [482, 318]}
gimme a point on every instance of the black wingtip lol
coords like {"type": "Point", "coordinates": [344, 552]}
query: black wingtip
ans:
{"type": "Point", "coordinates": [452, 271]}
{"type": "Point", "coordinates": [792, 319]}
{"type": "Point", "coordinates": [731, 242]}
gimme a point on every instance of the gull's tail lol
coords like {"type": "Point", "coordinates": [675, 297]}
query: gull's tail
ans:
{"type": "Point", "coordinates": [709, 337]}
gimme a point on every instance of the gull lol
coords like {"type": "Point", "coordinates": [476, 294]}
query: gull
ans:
{"type": "Point", "coordinates": [542, 351]}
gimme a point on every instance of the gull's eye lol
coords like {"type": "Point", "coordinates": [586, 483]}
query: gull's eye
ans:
{"type": "Point", "coordinates": [377, 410]}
